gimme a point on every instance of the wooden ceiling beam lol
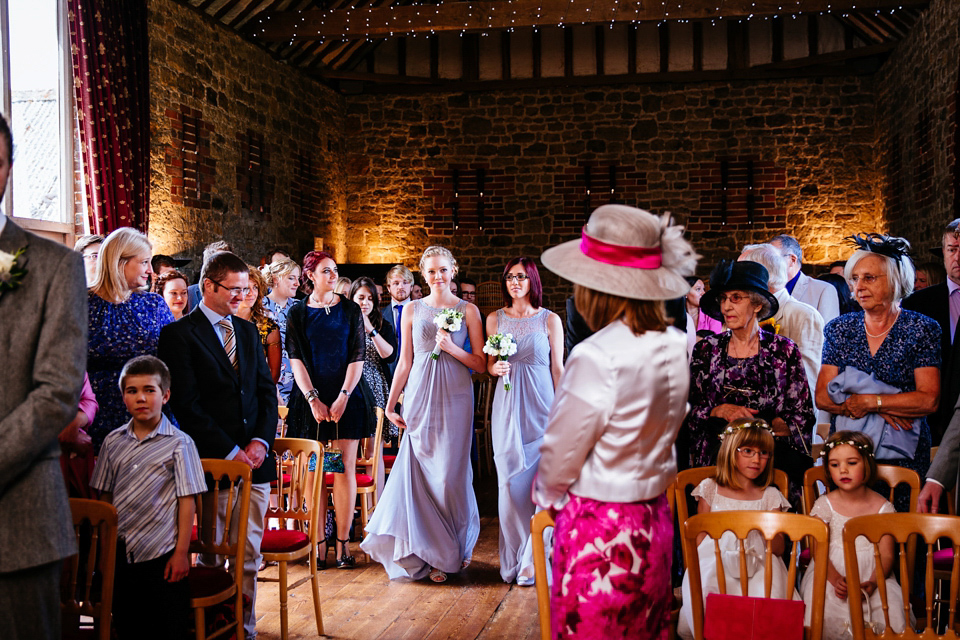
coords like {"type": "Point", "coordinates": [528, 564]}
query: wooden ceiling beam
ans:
{"type": "Point", "coordinates": [483, 15]}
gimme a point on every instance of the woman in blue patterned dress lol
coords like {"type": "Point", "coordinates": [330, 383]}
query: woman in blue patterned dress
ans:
{"type": "Point", "coordinates": [749, 373]}
{"type": "Point", "coordinates": [283, 278]}
{"type": "Point", "coordinates": [124, 322]}
{"type": "Point", "coordinates": [900, 347]}
{"type": "Point", "coordinates": [520, 415]}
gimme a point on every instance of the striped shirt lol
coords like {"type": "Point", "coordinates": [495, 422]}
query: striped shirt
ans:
{"type": "Point", "coordinates": [146, 478]}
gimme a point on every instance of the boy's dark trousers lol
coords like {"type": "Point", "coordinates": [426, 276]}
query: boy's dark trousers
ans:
{"type": "Point", "coordinates": [145, 606]}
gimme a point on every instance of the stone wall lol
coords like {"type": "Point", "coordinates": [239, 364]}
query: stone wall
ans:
{"type": "Point", "coordinates": [794, 155]}
{"type": "Point", "coordinates": [243, 148]}
{"type": "Point", "coordinates": [917, 128]}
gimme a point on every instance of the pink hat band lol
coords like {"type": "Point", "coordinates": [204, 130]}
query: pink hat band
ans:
{"type": "Point", "coordinates": [620, 255]}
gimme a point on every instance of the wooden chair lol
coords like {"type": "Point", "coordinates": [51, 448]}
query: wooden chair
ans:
{"type": "Point", "coordinates": [489, 297]}
{"type": "Point", "coordinates": [893, 475]}
{"type": "Point", "coordinates": [541, 521]}
{"type": "Point", "coordinates": [95, 523]}
{"type": "Point", "coordinates": [484, 384]}
{"type": "Point", "coordinates": [769, 524]}
{"type": "Point", "coordinates": [300, 522]}
{"type": "Point", "coordinates": [688, 479]}
{"type": "Point", "coordinates": [282, 428]}
{"type": "Point", "coordinates": [903, 527]}
{"type": "Point", "coordinates": [210, 585]}
{"type": "Point", "coordinates": [367, 482]}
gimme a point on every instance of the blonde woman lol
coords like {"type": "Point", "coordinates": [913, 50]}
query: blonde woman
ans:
{"type": "Point", "coordinates": [124, 322]}
{"type": "Point", "coordinates": [283, 279]}
{"type": "Point", "coordinates": [251, 309]}
{"type": "Point", "coordinates": [426, 523]}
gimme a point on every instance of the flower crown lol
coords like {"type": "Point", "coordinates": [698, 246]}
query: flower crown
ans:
{"type": "Point", "coordinates": [830, 446]}
{"type": "Point", "coordinates": [746, 424]}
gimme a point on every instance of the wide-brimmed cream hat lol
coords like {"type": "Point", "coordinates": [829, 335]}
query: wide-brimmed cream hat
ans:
{"type": "Point", "coordinates": [627, 252]}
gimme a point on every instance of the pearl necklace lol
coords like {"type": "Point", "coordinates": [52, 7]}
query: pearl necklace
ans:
{"type": "Point", "coordinates": [880, 335]}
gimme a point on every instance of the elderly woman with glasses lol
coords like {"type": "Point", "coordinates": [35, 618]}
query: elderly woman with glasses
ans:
{"type": "Point", "coordinates": [881, 366]}
{"type": "Point", "coordinates": [746, 373]}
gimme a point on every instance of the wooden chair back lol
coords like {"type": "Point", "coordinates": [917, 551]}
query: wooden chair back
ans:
{"type": "Point", "coordinates": [893, 475]}
{"type": "Point", "coordinates": [489, 297]}
{"type": "Point", "coordinates": [769, 524]}
{"type": "Point", "coordinates": [484, 385]}
{"type": "Point", "coordinates": [903, 527]}
{"type": "Point", "coordinates": [541, 521]}
{"type": "Point", "coordinates": [282, 414]}
{"type": "Point", "coordinates": [95, 524]}
{"type": "Point", "coordinates": [371, 460]}
{"type": "Point", "coordinates": [688, 479]}
{"type": "Point", "coordinates": [288, 500]}
{"type": "Point", "coordinates": [236, 480]}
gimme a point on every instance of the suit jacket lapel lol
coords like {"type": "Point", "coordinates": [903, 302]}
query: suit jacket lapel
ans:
{"type": "Point", "coordinates": [207, 336]}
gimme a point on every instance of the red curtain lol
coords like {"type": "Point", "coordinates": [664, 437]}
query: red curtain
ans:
{"type": "Point", "coordinates": [110, 74]}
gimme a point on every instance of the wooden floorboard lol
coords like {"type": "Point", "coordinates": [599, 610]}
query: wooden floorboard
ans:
{"type": "Point", "coordinates": [362, 604]}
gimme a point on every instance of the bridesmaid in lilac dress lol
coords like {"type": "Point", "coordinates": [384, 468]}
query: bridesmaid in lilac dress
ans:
{"type": "Point", "coordinates": [427, 522]}
{"type": "Point", "coordinates": [520, 414]}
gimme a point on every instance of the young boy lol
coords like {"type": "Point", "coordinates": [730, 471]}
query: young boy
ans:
{"type": "Point", "coordinates": [150, 471]}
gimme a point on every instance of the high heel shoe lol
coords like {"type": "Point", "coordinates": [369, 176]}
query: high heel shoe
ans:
{"type": "Point", "coordinates": [322, 557]}
{"type": "Point", "coordinates": [343, 560]}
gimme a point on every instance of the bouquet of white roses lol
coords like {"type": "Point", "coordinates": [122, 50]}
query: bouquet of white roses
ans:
{"type": "Point", "coordinates": [450, 321]}
{"type": "Point", "coordinates": [501, 345]}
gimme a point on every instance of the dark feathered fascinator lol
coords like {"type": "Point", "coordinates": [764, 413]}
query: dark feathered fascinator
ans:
{"type": "Point", "coordinates": [890, 246]}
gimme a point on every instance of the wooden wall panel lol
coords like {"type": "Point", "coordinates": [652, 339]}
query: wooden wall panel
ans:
{"type": "Point", "coordinates": [521, 53]}
{"type": "Point", "coordinates": [490, 57]}
{"type": "Point", "coordinates": [795, 38]}
{"type": "Point", "coordinates": [681, 47]}
{"type": "Point", "coordinates": [648, 48]}
{"type": "Point", "coordinates": [714, 46]}
{"type": "Point", "coordinates": [450, 65]}
{"type": "Point", "coordinates": [418, 57]}
{"type": "Point", "coordinates": [615, 49]}
{"type": "Point", "coordinates": [386, 58]}
{"type": "Point", "coordinates": [584, 51]}
{"type": "Point", "coordinates": [761, 42]}
{"type": "Point", "coordinates": [551, 62]}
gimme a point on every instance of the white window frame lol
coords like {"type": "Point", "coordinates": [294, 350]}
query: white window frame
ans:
{"type": "Point", "coordinates": [62, 231]}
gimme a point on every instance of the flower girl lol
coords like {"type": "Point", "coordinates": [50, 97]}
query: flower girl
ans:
{"type": "Point", "coordinates": [851, 469]}
{"type": "Point", "coordinates": [743, 483]}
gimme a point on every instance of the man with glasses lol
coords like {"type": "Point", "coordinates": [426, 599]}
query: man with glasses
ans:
{"type": "Point", "coordinates": [89, 248]}
{"type": "Point", "coordinates": [468, 290]}
{"type": "Point", "coordinates": [224, 398]}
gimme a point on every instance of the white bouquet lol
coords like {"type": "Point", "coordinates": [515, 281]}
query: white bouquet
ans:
{"type": "Point", "coordinates": [450, 321]}
{"type": "Point", "coordinates": [501, 345]}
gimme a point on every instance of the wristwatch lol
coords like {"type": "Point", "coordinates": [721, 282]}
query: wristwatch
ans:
{"type": "Point", "coordinates": [345, 392]}
{"type": "Point", "coordinates": [374, 333]}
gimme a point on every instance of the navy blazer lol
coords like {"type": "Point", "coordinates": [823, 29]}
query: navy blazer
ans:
{"type": "Point", "coordinates": [218, 407]}
{"type": "Point", "coordinates": [387, 313]}
{"type": "Point", "coordinates": [934, 302]}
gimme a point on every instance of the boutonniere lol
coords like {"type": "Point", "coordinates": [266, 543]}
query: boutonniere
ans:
{"type": "Point", "coordinates": [11, 272]}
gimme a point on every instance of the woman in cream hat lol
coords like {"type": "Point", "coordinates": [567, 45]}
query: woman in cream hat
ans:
{"type": "Point", "coordinates": [607, 454]}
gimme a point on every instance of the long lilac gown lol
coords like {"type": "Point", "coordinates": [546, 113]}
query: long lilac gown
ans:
{"type": "Point", "coordinates": [517, 423]}
{"type": "Point", "coordinates": [427, 515]}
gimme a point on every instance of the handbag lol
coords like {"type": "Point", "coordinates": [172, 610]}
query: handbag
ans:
{"type": "Point", "coordinates": [729, 617]}
{"type": "Point", "coordinates": [332, 457]}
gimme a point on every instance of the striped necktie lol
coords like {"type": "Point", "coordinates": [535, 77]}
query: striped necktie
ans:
{"type": "Point", "coordinates": [229, 342]}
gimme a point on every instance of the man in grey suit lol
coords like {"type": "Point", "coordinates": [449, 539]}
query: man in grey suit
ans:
{"type": "Point", "coordinates": [43, 342]}
{"type": "Point", "coordinates": [816, 293]}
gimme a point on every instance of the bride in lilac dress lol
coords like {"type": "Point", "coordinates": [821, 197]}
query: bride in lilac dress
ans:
{"type": "Point", "coordinates": [520, 415]}
{"type": "Point", "coordinates": [426, 522]}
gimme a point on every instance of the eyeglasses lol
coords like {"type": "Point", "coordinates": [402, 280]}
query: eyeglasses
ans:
{"type": "Point", "coordinates": [234, 291]}
{"type": "Point", "coordinates": [519, 277]}
{"type": "Point", "coordinates": [92, 257]}
{"type": "Point", "coordinates": [868, 278]}
{"type": "Point", "coordinates": [749, 452]}
{"type": "Point", "coordinates": [733, 298]}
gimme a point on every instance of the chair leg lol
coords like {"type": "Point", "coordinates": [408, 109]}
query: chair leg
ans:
{"type": "Point", "coordinates": [199, 623]}
{"type": "Point", "coordinates": [315, 584]}
{"type": "Point", "coordinates": [283, 599]}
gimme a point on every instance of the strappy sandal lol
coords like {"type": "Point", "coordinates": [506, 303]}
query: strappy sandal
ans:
{"type": "Point", "coordinates": [322, 558]}
{"type": "Point", "coordinates": [465, 564]}
{"type": "Point", "coordinates": [343, 560]}
{"type": "Point", "coordinates": [437, 576]}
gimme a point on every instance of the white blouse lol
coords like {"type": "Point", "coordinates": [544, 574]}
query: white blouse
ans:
{"type": "Point", "coordinates": [619, 405]}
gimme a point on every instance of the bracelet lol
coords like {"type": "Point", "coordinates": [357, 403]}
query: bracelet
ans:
{"type": "Point", "coordinates": [374, 333]}
{"type": "Point", "coordinates": [879, 403]}
{"type": "Point", "coordinates": [345, 392]}
{"type": "Point", "coordinates": [310, 395]}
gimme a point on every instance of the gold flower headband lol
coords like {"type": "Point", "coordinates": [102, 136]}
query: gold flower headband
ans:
{"type": "Point", "coordinates": [733, 427]}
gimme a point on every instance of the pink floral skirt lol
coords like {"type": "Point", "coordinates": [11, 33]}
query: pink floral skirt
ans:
{"type": "Point", "coordinates": [611, 569]}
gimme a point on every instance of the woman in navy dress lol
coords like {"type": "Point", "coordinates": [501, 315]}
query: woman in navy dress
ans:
{"type": "Point", "coordinates": [325, 340]}
{"type": "Point", "coordinates": [900, 347]}
{"type": "Point", "coordinates": [124, 322]}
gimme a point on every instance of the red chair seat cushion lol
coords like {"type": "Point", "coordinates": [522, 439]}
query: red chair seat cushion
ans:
{"type": "Point", "coordinates": [388, 461]}
{"type": "Point", "coordinates": [286, 481]}
{"type": "Point", "coordinates": [283, 541]}
{"type": "Point", "coordinates": [943, 560]}
{"type": "Point", "coordinates": [206, 581]}
{"type": "Point", "coordinates": [363, 480]}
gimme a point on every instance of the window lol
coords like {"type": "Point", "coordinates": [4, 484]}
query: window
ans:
{"type": "Point", "coordinates": [37, 95]}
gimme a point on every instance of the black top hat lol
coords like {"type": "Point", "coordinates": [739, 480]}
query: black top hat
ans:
{"type": "Point", "coordinates": [741, 275]}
